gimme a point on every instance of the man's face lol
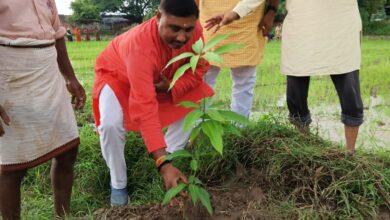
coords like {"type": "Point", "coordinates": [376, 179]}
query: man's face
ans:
{"type": "Point", "coordinates": [175, 31]}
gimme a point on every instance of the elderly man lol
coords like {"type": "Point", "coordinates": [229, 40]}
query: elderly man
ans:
{"type": "Point", "coordinates": [39, 123]}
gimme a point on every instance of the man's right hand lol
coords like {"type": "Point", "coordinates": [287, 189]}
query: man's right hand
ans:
{"type": "Point", "coordinates": [171, 175]}
{"type": "Point", "coordinates": [168, 172]}
{"type": "Point", "coordinates": [221, 20]}
{"type": "Point", "coordinates": [4, 117]}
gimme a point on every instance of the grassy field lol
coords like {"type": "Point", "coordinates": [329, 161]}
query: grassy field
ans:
{"type": "Point", "coordinates": [375, 78]}
{"type": "Point", "coordinates": [91, 186]}
{"type": "Point", "coordinates": [270, 90]}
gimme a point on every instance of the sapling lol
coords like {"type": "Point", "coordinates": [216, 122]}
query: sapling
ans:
{"type": "Point", "coordinates": [205, 118]}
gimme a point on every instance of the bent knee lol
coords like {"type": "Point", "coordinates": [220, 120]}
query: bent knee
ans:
{"type": "Point", "coordinates": [110, 124]}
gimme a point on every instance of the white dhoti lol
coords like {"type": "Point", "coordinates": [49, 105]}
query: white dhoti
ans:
{"type": "Point", "coordinates": [34, 95]}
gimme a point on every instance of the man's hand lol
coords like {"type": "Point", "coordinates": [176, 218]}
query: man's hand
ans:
{"type": "Point", "coordinates": [4, 117]}
{"type": "Point", "coordinates": [168, 172]}
{"type": "Point", "coordinates": [221, 20]}
{"type": "Point", "coordinates": [163, 85]}
{"type": "Point", "coordinates": [267, 22]}
{"type": "Point", "coordinates": [171, 175]}
{"type": "Point", "coordinates": [78, 93]}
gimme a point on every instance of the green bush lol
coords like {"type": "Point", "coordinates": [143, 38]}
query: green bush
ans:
{"type": "Point", "coordinates": [378, 28]}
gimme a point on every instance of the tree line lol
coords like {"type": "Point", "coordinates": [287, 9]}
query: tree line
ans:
{"type": "Point", "coordinates": [136, 11]}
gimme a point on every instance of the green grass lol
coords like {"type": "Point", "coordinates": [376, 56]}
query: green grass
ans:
{"type": "Point", "coordinates": [91, 176]}
{"type": "Point", "coordinates": [311, 176]}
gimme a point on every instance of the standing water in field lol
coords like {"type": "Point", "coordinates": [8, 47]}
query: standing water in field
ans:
{"type": "Point", "coordinates": [373, 133]}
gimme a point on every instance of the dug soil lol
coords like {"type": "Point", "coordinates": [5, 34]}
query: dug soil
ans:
{"type": "Point", "coordinates": [233, 202]}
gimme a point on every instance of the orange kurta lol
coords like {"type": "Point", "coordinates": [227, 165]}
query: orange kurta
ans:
{"type": "Point", "coordinates": [131, 65]}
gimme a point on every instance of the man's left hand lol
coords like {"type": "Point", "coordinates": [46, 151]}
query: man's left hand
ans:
{"type": "Point", "coordinates": [163, 85]}
{"type": "Point", "coordinates": [78, 93]}
{"type": "Point", "coordinates": [267, 22]}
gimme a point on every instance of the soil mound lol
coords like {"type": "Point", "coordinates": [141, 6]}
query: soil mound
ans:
{"type": "Point", "coordinates": [233, 202]}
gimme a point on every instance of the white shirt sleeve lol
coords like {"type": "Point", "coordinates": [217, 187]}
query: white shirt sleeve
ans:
{"type": "Point", "coordinates": [245, 7]}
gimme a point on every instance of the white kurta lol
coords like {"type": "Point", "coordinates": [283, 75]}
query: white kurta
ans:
{"type": "Point", "coordinates": [321, 37]}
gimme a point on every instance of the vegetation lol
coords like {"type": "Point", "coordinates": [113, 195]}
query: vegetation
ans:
{"type": "Point", "coordinates": [205, 118]}
{"type": "Point", "coordinates": [306, 173]}
{"type": "Point", "coordinates": [84, 12]}
{"type": "Point", "coordinates": [378, 28]}
{"type": "Point", "coordinates": [368, 8]}
{"type": "Point", "coordinates": [134, 10]}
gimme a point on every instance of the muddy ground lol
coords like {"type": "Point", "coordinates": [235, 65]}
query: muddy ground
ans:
{"type": "Point", "coordinates": [229, 203]}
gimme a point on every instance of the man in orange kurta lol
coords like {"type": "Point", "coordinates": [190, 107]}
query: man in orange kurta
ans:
{"type": "Point", "coordinates": [130, 90]}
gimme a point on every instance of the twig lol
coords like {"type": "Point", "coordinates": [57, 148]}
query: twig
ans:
{"type": "Point", "coordinates": [383, 193]}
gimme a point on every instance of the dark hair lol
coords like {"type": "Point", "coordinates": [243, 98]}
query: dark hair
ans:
{"type": "Point", "coordinates": [180, 8]}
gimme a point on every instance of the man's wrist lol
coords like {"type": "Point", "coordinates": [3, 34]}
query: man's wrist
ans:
{"type": "Point", "coordinates": [70, 78]}
{"type": "Point", "coordinates": [158, 153]}
{"type": "Point", "coordinates": [163, 164]}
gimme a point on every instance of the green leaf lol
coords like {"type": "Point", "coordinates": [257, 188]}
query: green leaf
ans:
{"type": "Point", "coordinates": [213, 57]}
{"type": "Point", "coordinates": [179, 72]}
{"type": "Point", "coordinates": [195, 133]}
{"type": "Point", "coordinates": [235, 117]}
{"type": "Point", "coordinates": [233, 129]}
{"type": "Point", "coordinates": [211, 43]}
{"type": "Point", "coordinates": [215, 115]}
{"type": "Point", "coordinates": [213, 130]}
{"type": "Point", "coordinates": [179, 57]}
{"type": "Point", "coordinates": [194, 165]}
{"type": "Point", "coordinates": [178, 154]}
{"type": "Point", "coordinates": [191, 119]}
{"type": "Point", "coordinates": [173, 192]}
{"type": "Point", "coordinates": [193, 179]}
{"type": "Point", "coordinates": [217, 105]}
{"type": "Point", "coordinates": [206, 100]}
{"type": "Point", "coordinates": [194, 62]}
{"type": "Point", "coordinates": [189, 104]}
{"type": "Point", "coordinates": [198, 46]}
{"type": "Point", "coordinates": [205, 199]}
{"type": "Point", "coordinates": [194, 192]}
{"type": "Point", "coordinates": [227, 48]}
{"type": "Point", "coordinates": [197, 180]}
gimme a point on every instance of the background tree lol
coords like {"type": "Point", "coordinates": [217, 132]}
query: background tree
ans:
{"type": "Point", "coordinates": [84, 12]}
{"type": "Point", "coordinates": [135, 10]}
{"type": "Point", "coordinates": [369, 7]}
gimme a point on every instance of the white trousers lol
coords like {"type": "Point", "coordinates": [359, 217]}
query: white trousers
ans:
{"type": "Point", "coordinates": [244, 80]}
{"type": "Point", "coordinates": [113, 137]}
